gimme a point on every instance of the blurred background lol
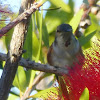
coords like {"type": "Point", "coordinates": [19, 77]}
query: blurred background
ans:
{"type": "Point", "coordinates": [41, 34]}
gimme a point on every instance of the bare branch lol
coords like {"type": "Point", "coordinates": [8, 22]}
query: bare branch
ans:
{"type": "Point", "coordinates": [15, 52]}
{"type": "Point", "coordinates": [37, 66]}
{"type": "Point", "coordinates": [32, 87]}
{"type": "Point", "coordinates": [21, 17]}
{"type": "Point", "coordinates": [3, 57]}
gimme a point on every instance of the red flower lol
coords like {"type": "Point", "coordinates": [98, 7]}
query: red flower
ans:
{"type": "Point", "coordinates": [85, 74]}
{"type": "Point", "coordinates": [89, 76]}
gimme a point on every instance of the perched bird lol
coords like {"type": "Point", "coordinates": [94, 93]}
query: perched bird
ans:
{"type": "Point", "coordinates": [64, 50]}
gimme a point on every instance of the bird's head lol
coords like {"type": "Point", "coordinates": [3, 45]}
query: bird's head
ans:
{"type": "Point", "coordinates": [64, 34]}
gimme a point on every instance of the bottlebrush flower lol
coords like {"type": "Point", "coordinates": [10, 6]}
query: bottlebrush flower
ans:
{"type": "Point", "coordinates": [86, 76]}
{"type": "Point", "coordinates": [83, 75]}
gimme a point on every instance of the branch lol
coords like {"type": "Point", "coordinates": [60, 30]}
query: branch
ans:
{"type": "Point", "coordinates": [21, 17]}
{"type": "Point", "coordinates": [37, 66]}
{"type": "Point", "coordinates": [15, 51]}
{"type": "Point", "coordinates": [37, 79]}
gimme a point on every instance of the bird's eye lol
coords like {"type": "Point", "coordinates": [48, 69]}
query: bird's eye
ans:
{"type": "Point", "coordinates": [58, 31]}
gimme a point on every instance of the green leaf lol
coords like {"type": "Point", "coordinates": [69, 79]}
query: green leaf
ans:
{"type": "Point", "coordinates": [71, 4]}
{"type": "Point", "coordinates": [35, 45]}
{"type": "Point", "coordinates": [85, 95]}
{"type": "Point", "coordinates": [35, 36]}
{"type": "Point", "coordinates": [40, 38]}
{"type": "Point", "coordinates": [44, 94]}
{"type": "Point", "coordinates": [45, 35]}
{"type": "Point", "coordinates": [92, 30]}
{"type": "Point", "coordinates": [20, 80]}
{"type": "Point", "coordinates": [28, 42]}
{"type": "Point", "coordinates": [56, 17]}
{"type": "Point", "coordinates": [35, 42]}
{"type": "Point", "coordinates": [76, 20]}
{"type": "Point", "coordinates": [94, 26]}
{"type": "Point", "coordinates": [33, 73]}
{"type": "Point", "coordinates": [85, 39]}
{"type": "Point", "coordinates": [60, 3]}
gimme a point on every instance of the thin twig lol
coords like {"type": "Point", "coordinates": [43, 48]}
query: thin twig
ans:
{"type": "Point", "coordinates": [52, 8]}
{"type": "Point", "coordinates": [32, 87]}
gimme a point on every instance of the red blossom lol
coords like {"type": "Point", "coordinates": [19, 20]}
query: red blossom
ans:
{"type": "Point", "coordinates": [89, 76]}
{"type": "Point", "coordinates": [85, 74]}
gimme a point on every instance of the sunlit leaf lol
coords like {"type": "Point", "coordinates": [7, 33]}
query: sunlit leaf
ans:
{"type": "Point", "coordinates": [75, 20]}
{"type": "Point", "coordinates": [94, 26]}
{"type": "Point", "coordinates": [85, 95]}
{"type": "Point", "coordinates": [44, 94]}
{"type": "Point", "coordinates": [20, 80]}
{"type": "Point", "coordinates": [32, 76]}
{"type": "Point", "coordinates": [40, 38]}
{"type": "Point", "coordinates": [71, 4]}
{"type": "Point", "coordinates": [45, 35]}
{"type": "Point", "coordinates": [85, 39]}
{"type": "Point", "coordinates": [56, 17]}
{"type": "Point", "coordinates": [35, 45]}
{"type": "Point", "coordinates": [60, 3]}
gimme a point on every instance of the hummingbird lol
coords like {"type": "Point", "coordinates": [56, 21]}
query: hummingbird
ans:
{"type": "Point", "coordinates": [64, 52]}
{"type": "Point", "coordinates": [65, 49]}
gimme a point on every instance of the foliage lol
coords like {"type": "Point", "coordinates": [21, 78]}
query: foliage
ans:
{"type": "Point", "coordinates": [46, 93]}
{"type": "Point", "coordinates": [41, 33]}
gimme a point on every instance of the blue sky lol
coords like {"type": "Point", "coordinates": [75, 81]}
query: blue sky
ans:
{"type": "Point", "coordinates": [15, 4]}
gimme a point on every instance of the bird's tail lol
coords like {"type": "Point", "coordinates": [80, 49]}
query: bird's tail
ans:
{"type": "Point", "coordinates": [63, 91]}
